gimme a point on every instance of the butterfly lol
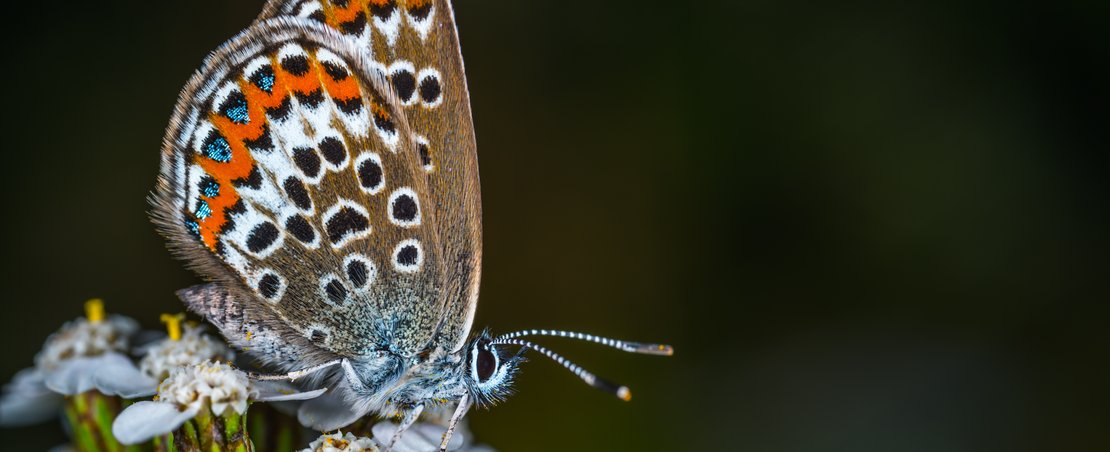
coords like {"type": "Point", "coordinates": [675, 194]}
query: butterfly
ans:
{"type": "Point", "coordinates": [320, 169]}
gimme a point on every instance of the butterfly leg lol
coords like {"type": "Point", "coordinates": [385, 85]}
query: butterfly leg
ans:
{"type": "Point", "coordinates": [406, 422]}
{"type": "Point", "coordinates": [460, 411]}
{"type": "Point", "coordinates": [295, 374]}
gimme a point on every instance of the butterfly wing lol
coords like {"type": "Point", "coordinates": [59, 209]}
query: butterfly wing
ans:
{"type": "Point", "coordinates": [290, 177]}
{"type": "Point", "coordinates": [415, 42]}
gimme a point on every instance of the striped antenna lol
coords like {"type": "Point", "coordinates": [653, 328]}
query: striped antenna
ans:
{"type": "Point", "coordinates": [593, 380]}
{"type": "Point", "coordinates": [632, 347]}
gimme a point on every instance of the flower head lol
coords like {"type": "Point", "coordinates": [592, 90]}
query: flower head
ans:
{"type": "Point", "coordinates": [339, 442]}
{"type": "Point", "coordinates": [160, 358]}
{"type": "Point", "coordinates": [187, 391]}
{"type": "Point", "coordinates": [187, 349]}
{"type": "Point", "coordinates": [88, 337]}
{"type": "Point", "coordinates": [66, 365]}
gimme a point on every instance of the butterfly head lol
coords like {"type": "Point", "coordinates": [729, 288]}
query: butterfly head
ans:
{"type": "Point", "coordinates": [491, 366]}
{"type": "Point", "coordinates": [489, 369]}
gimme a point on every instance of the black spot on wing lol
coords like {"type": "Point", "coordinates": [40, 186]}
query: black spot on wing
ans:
{"type": "Point", "coordinates": [404, 83]}
{"type": "Point", "coordinates": [268, 285]}
{"type": "Point", "coordinates": [312, 99]}
{"type": "Point", "coordinates": [335, 71]}
{"type": "Point", "coordinates": [404, 208]}
{"type": "Point", "coordinates": [384, 10]}
{"type": "Point", "coordinates": [298, 226]}
{"type": "Point", "coordinates": [295, 64]}
{"type": "Point", "coordinates": [408, 255]}
{"type": "Point", "coordinates": [429, 89]}
{"type": "Point", "coordinates": [346, 221]}
{"type": "Point", "coordinates": [280, 112]}
{"type": "Point", "coordinates": [420, 13]}
{"type": "Point", "coordinates": [307, 160]}
{"type": "Point", "coordinates": [335, 291]}
{"type": "Point", "coordinates": [354, 26]}
{"type": "Point", "coordinates": [349, 106]}
{"type": "Point", "coordinates": [370, 174]}
{"type": "Point", "coordinates": [357, 273]}
{"type": "Point", "coordinates": [264, 142]}
{"type": "Point", "coordinates": [253, 179]}
{"type": "Point", "coordinates": [333, 150]}
{"type": "Point", "coordinates": [425, 158]}
{"type": "Point", "coordinates": [384, 123]}
{"type": "Point", "coordinates": [262, 236]}
{"type": "Point", "coordinates": [294, 188]}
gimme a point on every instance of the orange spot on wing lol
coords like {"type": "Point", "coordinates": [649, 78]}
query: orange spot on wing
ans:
{"type": "Point", "coordinates": [347, 14]}
{"type": "Point", "coordinates": [345, 89]}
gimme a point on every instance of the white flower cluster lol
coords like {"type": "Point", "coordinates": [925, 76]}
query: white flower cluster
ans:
{"type": "Point", "coordinates": [217, 384]}
{"type": "Point", "coordinates": [193, 348]}
{"type": "Point", "coordinates": [339, 442]}
{"type": "Point", "coordinates": [82, 338]}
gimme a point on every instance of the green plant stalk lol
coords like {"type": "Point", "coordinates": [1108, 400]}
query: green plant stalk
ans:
{"type": "Point", "coordinates": [90, 415]}
{"type": "Point", "coordinates": [272, 430]}
{"type": "Point", "coordinates": [210, 433]}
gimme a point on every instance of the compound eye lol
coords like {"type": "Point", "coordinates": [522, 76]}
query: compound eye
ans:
{"type": "Point", "coordinates": [485, 365]}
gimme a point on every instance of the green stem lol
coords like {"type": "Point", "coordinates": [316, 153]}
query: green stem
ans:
{"type": "Point", "coordinates": [90, 415]}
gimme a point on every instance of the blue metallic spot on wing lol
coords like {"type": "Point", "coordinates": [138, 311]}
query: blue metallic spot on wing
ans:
{"type": "Point", "coordinates": [203, 211]}
{"type": "Point", "coordinates": [236, 111]}
{"type": "Point", "coordinates": [266, 82]}
{"type": "Point", "coordinates": [193, 227]}
{"type": "Point", "coordinates": [218, 149]}
{"type": "Point", "coordinates": [210, 189]}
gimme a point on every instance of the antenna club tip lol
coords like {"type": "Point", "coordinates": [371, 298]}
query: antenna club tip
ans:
{"type": "Point", "coordinates": [655, 349]}
{"type": "Point", "coordinates": [624, 393]}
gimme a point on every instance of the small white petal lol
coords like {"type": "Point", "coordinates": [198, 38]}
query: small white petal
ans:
{"type": "Point", "coordinates": [421, 437]}
{"type": "Point", "coordinates": [276, 391]}
{"type": "Point", "coordinates": [27, 401]}
{"type": "Point", "coordinates": [75, 376]}
{"type": "Point", "coordinates": [72, 376]}
{"type": "Point", "coordinates": [124, 380]}
{"type": "Point", "coordinates": [145, 420]}
{"type": "Point", "coordinates": [327, 412]}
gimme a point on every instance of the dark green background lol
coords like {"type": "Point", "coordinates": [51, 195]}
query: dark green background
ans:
{"type": "Point", "coordinates": [864, 227]}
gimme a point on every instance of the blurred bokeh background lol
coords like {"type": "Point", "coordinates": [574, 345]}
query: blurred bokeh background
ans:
{"type": "Point", "coordinates": [864, 226]}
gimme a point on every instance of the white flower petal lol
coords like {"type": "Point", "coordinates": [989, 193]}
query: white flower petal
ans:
{"type": "Point", "coordinates": [276, 391]}
{"type": "Point", "coordinates": [124, 380]}
{"type": "Point", "coordinates": [72, 376]}
{"type": "Point", "coordinates": [75, 376]}
{"type": "Point", "coordinates": [327, 412]}
{"type": "Point", "coordinates": [26, 400]}
{"type": "Point", "coordinates": [421, 437]}
{"type": "Point", "coordinates": [145, 420]}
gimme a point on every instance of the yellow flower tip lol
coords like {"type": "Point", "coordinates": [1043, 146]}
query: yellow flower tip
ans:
{"type": "Point", "coordinates": [624, 393]}
{"type": "Point", "coordinates": [94, 310]}
{"type": "Point", "coordinates": [173, 325]}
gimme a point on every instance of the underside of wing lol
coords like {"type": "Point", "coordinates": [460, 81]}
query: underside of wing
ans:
{"type": "Point", "coordinates": [415, 44]}
{"type": "Point", "coordinates": [291, 177]}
